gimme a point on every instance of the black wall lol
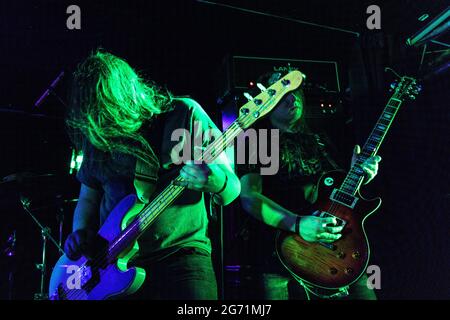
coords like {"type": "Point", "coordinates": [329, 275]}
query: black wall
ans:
{"type": "Point", "coordinates": [181, 45]}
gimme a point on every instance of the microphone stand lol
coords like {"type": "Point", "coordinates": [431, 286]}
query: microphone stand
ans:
{"type": "Point", "coordinates": [10, 252]}
{"type": "Point", "coordinates": [50, 90]}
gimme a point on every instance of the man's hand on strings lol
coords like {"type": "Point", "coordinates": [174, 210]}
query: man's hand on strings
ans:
{"type": "Point", "coordinates": [370, 166]}
{"type": "Point", "coordinates": [315, 229]}
{"type": "Point", "coordinates": [202, 177]}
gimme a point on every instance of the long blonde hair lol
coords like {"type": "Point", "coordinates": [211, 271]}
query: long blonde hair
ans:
{"type": "Point", "coordinates": [110, 103]}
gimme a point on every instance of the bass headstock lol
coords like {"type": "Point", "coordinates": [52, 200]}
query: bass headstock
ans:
{"type": "Point", "coordinates": [259, 106]}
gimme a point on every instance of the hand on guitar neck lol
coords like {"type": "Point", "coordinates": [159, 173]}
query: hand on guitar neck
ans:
{"type": "Point", "coordinates": [370, 165]}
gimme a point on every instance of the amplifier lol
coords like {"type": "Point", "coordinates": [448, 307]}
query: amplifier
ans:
{"type": "Point", "coordinates": [238, 72]}
{"type": "Point", "coordinates": [322, 86]}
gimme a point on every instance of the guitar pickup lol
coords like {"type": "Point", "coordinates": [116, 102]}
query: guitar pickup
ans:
{"type": "Point", "coordinates": [344, 198]}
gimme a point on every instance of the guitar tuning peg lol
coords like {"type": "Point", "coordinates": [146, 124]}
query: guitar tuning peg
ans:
{"type": "Point", "coordinates": [394, 85]}
{"type": "Point", "coordinates": [261, 87]}
{"type": "Point", "coordinates": [248, 96]}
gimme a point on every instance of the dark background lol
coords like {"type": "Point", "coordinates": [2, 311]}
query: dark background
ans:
{"type": "Point", "coordinates": [182, 45]}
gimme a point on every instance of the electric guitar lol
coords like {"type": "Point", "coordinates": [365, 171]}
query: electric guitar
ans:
{"type": "Point", "coordinates": [108, 275]}
{"type": "Point", "coordinates": [339, 264]}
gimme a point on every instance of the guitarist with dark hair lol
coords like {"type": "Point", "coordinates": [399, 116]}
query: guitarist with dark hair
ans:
{"type": "Point", "coordinates": [125, 126]}
{"type": "Point", "coordinates": [276, 201]}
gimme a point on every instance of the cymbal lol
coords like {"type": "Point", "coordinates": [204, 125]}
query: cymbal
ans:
{"type": "Point", "coordinates": [39, 186]}
{"type": "Point", "coordinates": [55, 203]}
{"type": "Point", "coordinates": [24, 113]}
{"type": "Point", "coordinates": [21, 177]}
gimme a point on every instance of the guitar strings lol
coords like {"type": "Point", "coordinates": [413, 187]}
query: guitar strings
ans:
{"type": "Point", "coordinates": [366, 154]}
{"type": "Point", "coordinates": [397, 95]}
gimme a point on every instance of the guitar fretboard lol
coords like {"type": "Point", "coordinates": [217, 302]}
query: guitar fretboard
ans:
{"type": "Point", "coordinates": [355, 176]}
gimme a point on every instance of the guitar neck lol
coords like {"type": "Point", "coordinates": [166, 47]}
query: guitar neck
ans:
{"type": "Point", "coordinates": [168, 196]}
{"type": "Point", "coordinates": [355, 176]}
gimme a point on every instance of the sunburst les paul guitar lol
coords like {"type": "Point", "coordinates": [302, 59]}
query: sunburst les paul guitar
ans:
{"type": "Point", "coordinates": [107, 275]}
{"type": "Point", "coordinates": [341, 263]}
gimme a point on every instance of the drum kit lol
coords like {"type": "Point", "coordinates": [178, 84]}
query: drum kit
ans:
{"type": "Point", "coordinates": [34, 207]}
{"type": "Point", "coordinates": [29, 193]}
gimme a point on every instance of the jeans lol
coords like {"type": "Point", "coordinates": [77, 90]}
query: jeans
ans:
{"type": "Point", "coordinates": [283, 287]}
{"type": "Point", "coordinates": [187, 274]}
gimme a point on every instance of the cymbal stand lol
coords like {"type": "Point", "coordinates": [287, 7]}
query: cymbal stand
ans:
{"type": "Point", "coordinates": [45, 232]}
{"type": "Point", "coordinates": [60, 220]}
{"type": "Point", "coordinates": [10, 252]}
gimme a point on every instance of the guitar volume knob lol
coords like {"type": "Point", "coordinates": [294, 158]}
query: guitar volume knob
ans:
{"type": "Point", "coordinates": [333, 270]}
{"type": "Point", "coordinates": [348, 270]}
{"type": "Point", "coordinates": [356, 255]}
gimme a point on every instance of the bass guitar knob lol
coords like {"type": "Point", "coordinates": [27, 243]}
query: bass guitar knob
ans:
{"type": "Point", "coordinates": [348, 270]}
{"type": "Point", "coordinates": [333, 270]}
{"type": "Point", "coordinates": [356, 255]}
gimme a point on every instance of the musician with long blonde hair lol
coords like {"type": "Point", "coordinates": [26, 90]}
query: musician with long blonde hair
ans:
{"type": "Point", "coordinates": [124, 126]}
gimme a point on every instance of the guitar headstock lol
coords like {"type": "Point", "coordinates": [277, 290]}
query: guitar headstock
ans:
{"type": "Point", "coordinates": [406, 88]}
{"type": "Point", "coordinates": [264, 102]}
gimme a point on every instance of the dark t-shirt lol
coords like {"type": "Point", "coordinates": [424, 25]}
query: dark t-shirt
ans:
{"type": "Point", "coordinates": [286, 188]}
{"type": "Point", "coordinates": [182, 224]}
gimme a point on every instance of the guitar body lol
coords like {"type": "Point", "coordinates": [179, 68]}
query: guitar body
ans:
{"type": "Point", "coordinates": [106, 280]}
{"type": "Point", "coordinates": [330, 265]}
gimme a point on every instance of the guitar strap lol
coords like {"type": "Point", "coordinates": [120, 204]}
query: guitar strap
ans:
{"type": "Point", "coordinates": [146, 174]}
{"type": "Point", "coordinates": [145, 178]}
{"type": "Point", "coordinates": [325, 153]}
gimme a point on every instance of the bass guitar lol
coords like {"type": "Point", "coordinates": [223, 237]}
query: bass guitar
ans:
{"type": "Point", "coordinates": [108, 275]}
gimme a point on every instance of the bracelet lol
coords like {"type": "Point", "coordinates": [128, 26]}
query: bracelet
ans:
{"type": "Point", "coordinates": [224, 185]}
{"type": "Point", "coordinates": [297, 225]}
